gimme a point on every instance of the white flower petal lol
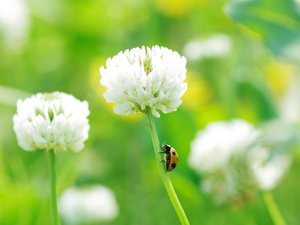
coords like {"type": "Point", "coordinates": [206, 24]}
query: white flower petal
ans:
{"type": "Point", "coordinates": [268, 172]}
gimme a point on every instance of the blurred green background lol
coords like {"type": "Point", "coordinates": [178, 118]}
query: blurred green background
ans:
{"type": "Point", "coordinates": [60, 45]}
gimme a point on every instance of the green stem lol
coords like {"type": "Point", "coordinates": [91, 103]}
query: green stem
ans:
{"type": "Point", "coordinates": [166, 180]}
{"type": "Point", "coordinates": [51, 156]}
{"type": "Point", "coordinates": [273, 209]}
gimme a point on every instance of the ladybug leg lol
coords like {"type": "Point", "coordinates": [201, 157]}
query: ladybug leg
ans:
{"type": "Point", "coordinates": [163, 161]}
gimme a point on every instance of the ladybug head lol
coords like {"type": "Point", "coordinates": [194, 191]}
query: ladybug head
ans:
{"type": "Point", "coordinates": [166, 147]}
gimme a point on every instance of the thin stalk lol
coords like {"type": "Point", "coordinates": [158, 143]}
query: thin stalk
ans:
{"type": "Point", "coordinates": [163, 174]}
{"type": "Point", "coordinates": [273, 209]}
{"type": "Point", "coordinates": [51, 157]}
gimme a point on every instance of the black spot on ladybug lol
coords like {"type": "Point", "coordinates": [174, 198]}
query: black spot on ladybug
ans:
{"type": "Point", "coordinates": [173, 165]}
{"type": "Point", "coordinates": [173, 153]}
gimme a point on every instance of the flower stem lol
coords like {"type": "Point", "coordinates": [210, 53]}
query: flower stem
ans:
{"type": "Point", "coordinates": [51, 156]}
{"type": "Point", "coordinates": [165, 178]}
{"type": "Point", "coordinates": [273, 209]}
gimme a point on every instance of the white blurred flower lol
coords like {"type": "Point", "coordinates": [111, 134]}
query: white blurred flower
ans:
{"type": "Point", "coordinates": [55, 121]}
{"type": "Point", "coordinates": [268, 170]}
{"type": "Point", "coordinates": [232, 163]}
{"type": "Point", "coordinates": [213, 148]}
{"type": "Point", "coordinates": [214, 47]}
{"type": "Point", "coordinates": [145, 77]}
{"type": "Point", "coordinates": [290, 104]}
{"type": "Point", "coordinates": [14, 21]}
{"type": "Point", "coordinates": [88, 205]}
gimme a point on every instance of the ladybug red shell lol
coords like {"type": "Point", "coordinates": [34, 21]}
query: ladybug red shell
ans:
{"type": "Point", "coordinates": [170, 157]}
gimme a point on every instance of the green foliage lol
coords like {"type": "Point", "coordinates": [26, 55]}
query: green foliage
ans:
{"type": "Point", "coordinates": [277, 24]}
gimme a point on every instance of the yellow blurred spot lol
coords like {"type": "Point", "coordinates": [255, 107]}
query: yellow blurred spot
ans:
{"type": "Point", "coordinates": [175, 8]}
{"type": "Point", "coordinates": [133, 117]}
{"type": "Point", "coordinates": [214, 111]}
{"type": "Point", "coordinates": [94, 82]}
{"type": "Point", "coordinates": [198, 92]}
{"type": "Point", "coordinates": [279, 76]}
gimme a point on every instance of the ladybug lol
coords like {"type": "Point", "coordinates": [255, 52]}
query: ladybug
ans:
{"type": "Point", "coordinates": [170, 157]}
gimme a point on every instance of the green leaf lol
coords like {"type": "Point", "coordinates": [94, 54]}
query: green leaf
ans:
{"type": "Point", "coordinates": [276, 23]}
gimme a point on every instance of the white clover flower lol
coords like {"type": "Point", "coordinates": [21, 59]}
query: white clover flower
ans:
{"type": "Point", "coordinates": [213, 148]}
{"type": "Point", "coordinates": [55, 121]}
{"type": "Point", "coordinates": [88, 205]}
{"type": "Point", "coordinates": [268, 170]}
{"type": "Point", "coordinates": [231, 160]}
{"type": "Point", "coordinates": [143, 78]}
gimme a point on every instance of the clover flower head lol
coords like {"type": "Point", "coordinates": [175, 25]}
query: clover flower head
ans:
{"type": "Point", "coordinates": [88, 205]}
{"type": "Point", "coordinates": [232, 160]}
{"type": "Point", "coordinates": [51, 121]}
{"type": "Point", "coordinates": [143, 78]}
{"type": "Point", "coordinates": [213, 148]}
